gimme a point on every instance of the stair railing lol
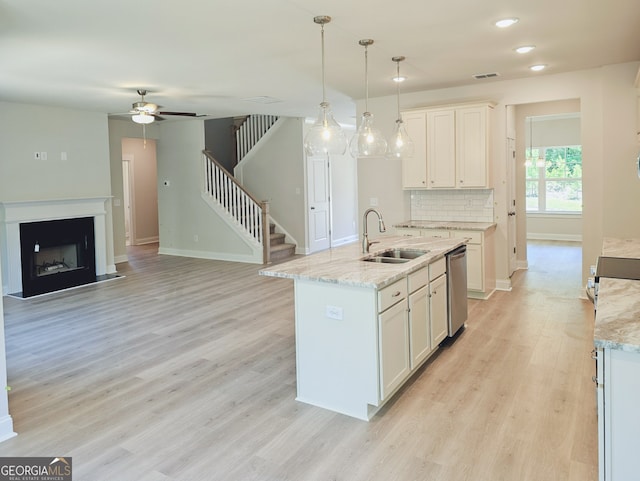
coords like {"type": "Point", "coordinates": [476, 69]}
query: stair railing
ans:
{"type": "Point", "coordinates": [251, 131]}
{"type": "Point", "coordinates": [249, 214]}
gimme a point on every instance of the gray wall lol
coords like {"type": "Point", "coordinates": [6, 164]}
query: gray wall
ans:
{"type": "Point", "coordinates": [118, 130]}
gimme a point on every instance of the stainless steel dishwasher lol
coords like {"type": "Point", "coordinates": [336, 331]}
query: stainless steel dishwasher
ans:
{"type": "Point", "coordinates": [457, 288]}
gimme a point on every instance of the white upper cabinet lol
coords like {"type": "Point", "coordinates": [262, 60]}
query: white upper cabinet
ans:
{"type": "Point", "coordinates": [452, 150]}
{"type": "Point", "coordinates": [414, 168]}
{"type": "Point", "coordinates": [471, 146]}
{"type": "Point", "coordinates": [441, 149]}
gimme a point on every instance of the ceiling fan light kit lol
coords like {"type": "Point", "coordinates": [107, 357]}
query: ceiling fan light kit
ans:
{"type": "Point", "coordinates": [142, 117]}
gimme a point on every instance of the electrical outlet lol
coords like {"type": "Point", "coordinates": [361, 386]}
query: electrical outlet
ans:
{"type": "Point", "coordinates": [43, 155]}
{"type": "Point", "coordinates": [334, 312]}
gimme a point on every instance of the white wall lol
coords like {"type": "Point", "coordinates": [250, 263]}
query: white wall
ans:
{"type": "Point", "coordinates": [6, 422]}
{"type": "Point", "coordinates": [275, 171]}
{"type": "Point", "coordinates": [183, 214]}
{"type": "Point", "coordinates": [608, 113]}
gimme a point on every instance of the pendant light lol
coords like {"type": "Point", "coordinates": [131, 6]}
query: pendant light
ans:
{"type": "Point", "coordinates": [325, 136]}
{"type": "Point", "coordinates": [367, 141]}
{"type": "Point", "coordinates": [400, 145]}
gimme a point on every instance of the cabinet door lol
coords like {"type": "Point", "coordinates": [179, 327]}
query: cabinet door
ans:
{"type": "Point", "coordinates": [419, 326]}
{"type": "Point", "coordinates": [394, 348]}
{"type": "Point", "coordinates": [438, 309]}
{"type": "Point", "coordinates": [475, 271]}
{"type": "Point", "coordinates": [471, 146]}
{"type": "Point", "coordinates": [441, 149]}
{"type": "Point", "coordinates": [414, 168]}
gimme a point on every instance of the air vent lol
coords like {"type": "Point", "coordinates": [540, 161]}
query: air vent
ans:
{"type": "Point", "coordinates": [262, 100]}
{"type": "Point", "coordinates": [480, 76]}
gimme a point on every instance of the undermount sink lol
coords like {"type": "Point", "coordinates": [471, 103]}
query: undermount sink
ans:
{"type": "Point", "coordinates": [395, 256]}
{"type": "Point", "coordinates": [386, 260]}
{"type": "Point", "coordinates": [402, 253]}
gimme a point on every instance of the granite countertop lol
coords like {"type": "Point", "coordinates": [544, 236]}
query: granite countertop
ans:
{"type": "Point", "coordinates": [617, 324]}
{"type": "Point", "coordinates": [432, 224]}
{"type": "Point", "coordinates": [343, 265]}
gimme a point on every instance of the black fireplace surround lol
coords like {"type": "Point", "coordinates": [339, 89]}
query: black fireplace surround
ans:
{"type": "Point", "coordinates": [57, 254]}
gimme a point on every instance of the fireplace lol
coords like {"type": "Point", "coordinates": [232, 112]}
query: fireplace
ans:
{"type": "Point", "coordinates": [57, 254]}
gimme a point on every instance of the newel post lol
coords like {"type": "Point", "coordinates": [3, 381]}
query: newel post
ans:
{"type": "Point", "coordinates": [266, 232]}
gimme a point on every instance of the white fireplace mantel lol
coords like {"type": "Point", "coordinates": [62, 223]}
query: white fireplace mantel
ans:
{"type": "Point", "coordinates": [16, 212]}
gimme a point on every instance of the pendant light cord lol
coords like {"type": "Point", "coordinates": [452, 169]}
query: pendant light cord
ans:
{"type": "Point", "coordinates": [398, 86]}
{"type": "Point", "coordinates": [366, 78]}
{"type": "Point", "coordinates": [324, 93]}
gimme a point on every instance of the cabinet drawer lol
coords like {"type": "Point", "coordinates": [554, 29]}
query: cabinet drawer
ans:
{"type": "Point", "coordinates": [437, 268]}
{"type": "Point", "coordinates": [390, 295]}
{"type": "Point", "coordinates": [442, 233]}
{"type": "Point", "coordinates": [418, 279]}
{"type": "Point", "coordinates": [473, 236]}
{"type": "Point", "coordinates": [408, 231]}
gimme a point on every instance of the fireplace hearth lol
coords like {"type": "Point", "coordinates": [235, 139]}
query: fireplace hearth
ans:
{"type": "Point", "coordinates": [57, 254]}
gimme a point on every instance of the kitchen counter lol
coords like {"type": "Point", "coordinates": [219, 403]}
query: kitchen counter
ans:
{"type": "Point", "coordinates": [364, 328]}
{"type": "Point", "coordinates": [431, 224]}
{"type": "Point", "coordinates": [617, 324]}
{"type": "Point", "coordinates": [343, 265]}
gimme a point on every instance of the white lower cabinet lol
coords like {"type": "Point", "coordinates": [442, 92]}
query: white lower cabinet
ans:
{"type": "Point", "coordinates": [618, 384]}
{"type": "Point", "coordinates": [438, 309]}
{"type": "Point", "coordinates": [419, 328]}
{"type": "Point", "coordinates": [356, 346]}
{"type": "Point", "coordinates": [394, 348]}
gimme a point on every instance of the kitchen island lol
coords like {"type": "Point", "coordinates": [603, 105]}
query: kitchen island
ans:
{"type": "Point", "coordinates": [363, 328]}
{"type": "Point", "coordinates": [481, 272]}
{"type": "Point", "coordinates": [617, 343]}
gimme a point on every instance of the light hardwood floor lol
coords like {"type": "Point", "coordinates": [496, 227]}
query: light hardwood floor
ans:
{"type": "Point", "coordinates": [184, 370]}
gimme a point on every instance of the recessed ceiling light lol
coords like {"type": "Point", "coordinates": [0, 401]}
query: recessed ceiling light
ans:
{"type": "Point", "coordinates": [506, 22]}
{"type": "Point", "coordinates": [537, 68]}
{"type": "Point", "coordinates": [402, 78]}
{"type": "Point", "coordinates": [525, 48]}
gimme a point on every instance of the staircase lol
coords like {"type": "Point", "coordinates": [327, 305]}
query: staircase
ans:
{"type": "Point", "coordinates": [239, 208]}
{"type": "Point", "coordinates": [279, 249]}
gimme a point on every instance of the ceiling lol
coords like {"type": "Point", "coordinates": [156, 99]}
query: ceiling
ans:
{"type": "Point", "coordinates": [211, 56]}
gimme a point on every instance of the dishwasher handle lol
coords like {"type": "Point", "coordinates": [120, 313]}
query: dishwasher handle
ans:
{"type": "Point", "coordinates": [458, 253]}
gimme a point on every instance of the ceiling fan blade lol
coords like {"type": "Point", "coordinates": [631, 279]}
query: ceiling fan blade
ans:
{"type": "Point", "coordinates": [157, 117]}
{"type": "Point", "coordinates": [183, 114]}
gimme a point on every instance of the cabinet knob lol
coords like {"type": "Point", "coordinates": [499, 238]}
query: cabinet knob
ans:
{"type": "Point", "coordinates": [396, 294]}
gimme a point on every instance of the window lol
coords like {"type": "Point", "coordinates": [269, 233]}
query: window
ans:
{"type": "Point", "coordinates": [554, 179]}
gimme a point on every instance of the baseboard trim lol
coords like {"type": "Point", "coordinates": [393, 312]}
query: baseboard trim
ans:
{"type": "Point", "coordinates": [121, 259]}
{"type": "Point", "coordinates": [554, 237]}
{"type": "Point", "coordinates": [214, 256]}
{"type": "Point", "coordinates": [503, 285]}
{"type": "Point", "coordinates": [6, 428]}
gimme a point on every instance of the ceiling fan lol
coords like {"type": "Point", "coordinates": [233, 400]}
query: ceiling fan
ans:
{"type": "Point", "coordinates": [147, 112]}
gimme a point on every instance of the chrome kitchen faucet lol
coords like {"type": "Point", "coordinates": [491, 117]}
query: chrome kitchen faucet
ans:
{"type": "Point", "coordinates": [365, 235]}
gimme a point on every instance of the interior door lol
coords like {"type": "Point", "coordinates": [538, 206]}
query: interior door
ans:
{"type": "Point", "coordinates": [318, 202]}
{"type": "Point", "coordinates": [511, 208]}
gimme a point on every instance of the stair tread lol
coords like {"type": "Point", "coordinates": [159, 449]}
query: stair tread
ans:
{"type": "Point", "coordinates": [281, 247]}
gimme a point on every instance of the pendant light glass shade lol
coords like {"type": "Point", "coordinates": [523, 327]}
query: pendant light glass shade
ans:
{"type": "Point", "coordinates": [400, 144]}
{"type": "Point", "coordinates": [325, 136]}
{"type": "Point", "coordinates": [367, 141]}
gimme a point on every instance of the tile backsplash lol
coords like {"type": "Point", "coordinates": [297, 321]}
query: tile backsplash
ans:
{"type": "Point", "coordinates": [452, 205]}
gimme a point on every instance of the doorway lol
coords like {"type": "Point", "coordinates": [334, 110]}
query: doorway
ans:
{"type": "Point", "coordinates": [140, 191]}
{"type": "Point", "coordinates": [563, 128]}
{"type": "Point", "coordinates": [319, 203]}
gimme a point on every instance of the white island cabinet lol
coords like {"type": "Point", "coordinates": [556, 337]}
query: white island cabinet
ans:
{"type": "Point", "coordinates": [363, 328]}
{"type": "Point", "coordinates": [617, 353]}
